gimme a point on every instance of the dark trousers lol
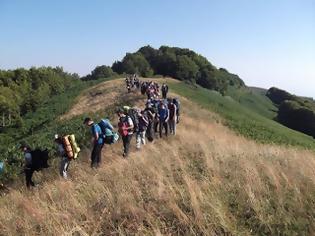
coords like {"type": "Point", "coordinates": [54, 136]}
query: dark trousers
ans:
{"type": "Point", "coordinates": [96, 155]}
{"type": "Point", "coordinates": [149, 132]}
{"type": "Point", "coordinates": [162, 125]}
{"type": "Point", "coordinates": [164, 95]}
{"type": "Point", "coordinates": [126, 142]}
{"type": "Point", "coordinates": [28, 176]}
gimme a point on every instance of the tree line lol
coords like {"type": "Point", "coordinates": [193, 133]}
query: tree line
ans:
{"type": "Point", "coordinates": [24, 90]}
{"type": "Point", "coordinates": [295, 112]}
{"type": "Point", "coordinates": [178, 63]}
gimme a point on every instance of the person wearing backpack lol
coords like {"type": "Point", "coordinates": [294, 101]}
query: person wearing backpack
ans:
{"type": "Point", "coordinates": [177, 104]}
{"type": "Point", "coordinates": [28, 167]}
{"type": "Point", "coordinates": [163, 115]}
{"type": "Point", "coordinates": [172, 117]}
{"type": "Point", "coordinates": [133, 114]}
{"type": "Point", "coordinates": [97, 142]}
{"type": "Point", "coordinates": [164, 91]}
{"type": "Point", "coordinates": [65, 160]}
{"type": "Point", "coordinates": [150, 113]}
{"type": "Point", "coordinates": [143, 125]}
{"type": "Point", "coordinates": [125, 128]}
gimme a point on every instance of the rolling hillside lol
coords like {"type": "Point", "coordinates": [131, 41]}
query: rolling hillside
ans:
{"type": "Point", "coordinates": [207, 180]}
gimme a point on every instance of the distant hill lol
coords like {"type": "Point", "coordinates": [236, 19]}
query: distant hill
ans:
{"type": "Point", "coordinates": [179, 63]}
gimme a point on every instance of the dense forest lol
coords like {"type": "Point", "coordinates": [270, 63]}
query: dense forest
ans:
{"type": "Point", "coordinates": [295, 112]}
{"type": "Point", "coordinates": [178, 63]}
{"type": "Point", "coordinates": [23, 91]}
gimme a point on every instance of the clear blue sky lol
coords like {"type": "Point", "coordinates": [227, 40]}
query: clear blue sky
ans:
{"type": "Point", "coordinates": [266, 42]}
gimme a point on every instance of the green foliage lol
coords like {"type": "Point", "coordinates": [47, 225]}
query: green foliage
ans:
{"type": "Point", "coordinates": [244, 119]}
{"type": "Point", "coordinates": [37, 128]}
{"type": "Point", "coordinates": [254, 99]}
{"type": "Point", "coordinates": [294, 112]}
{"type": "Point", "coordinates": [135, 63]}
{"type": "Point", "coordinates": [179, 63]}
{"type": "Point", "coordinates": [22, 91]}
{"type": "Point", "coordinates": [100, 72]}
{"type": "Point", "coordinates": [186, 68]}
{"type": "Point", "coordinates": [278, 96]}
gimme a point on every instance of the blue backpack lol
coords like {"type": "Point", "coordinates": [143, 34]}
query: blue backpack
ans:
{"type": "Point", "coordinates": [108, 133]}
{"type": "Point", "coordinates": [105, 124]}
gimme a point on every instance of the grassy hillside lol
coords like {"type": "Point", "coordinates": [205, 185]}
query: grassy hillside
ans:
{"type": "Point", "coordinates": [254, 99]}
{"type": "Point", "coordinates": [245, 117]}
{"type": "Point", "coordinates": [205, 181]}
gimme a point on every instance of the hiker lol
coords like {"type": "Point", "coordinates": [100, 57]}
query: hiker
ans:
{"type": "Point", "coordinates": [125, 127]}
{"type": "Point", "coordinates": [28, 167]}
{"type": "Point", "coordinates": [143, 125]}
{"type": "Point", "coordinates": [164, 91]}
{"type": "Point", "coordinates": [65, 160]}
{"type": "Point", "coordinates": [177, 104]}
{"type": "Point", "coordinates": [150, 113]}
{"type": "Point", "coordinates": [143, 88]}
{"type": "Point", "coordinates": [172, 117]}
{"type": "Point", "coordinates": [97, 142]}
{"type": "Point", "coordinates": [163, 115]}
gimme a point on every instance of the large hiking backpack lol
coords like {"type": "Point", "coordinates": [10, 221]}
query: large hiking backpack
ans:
{"type": "Point", "coordinates": [110, 137]}
{"type": "Point", "coordinates": [105, 124]}
{"type": "Point", "coordinates": [68, 147]}
{"type": "Point", "coordinates": [74, 145]}
{"type": "Point", "coordinates": [133, 114]}
{"type": "Point", "coordinates": [39, 159]}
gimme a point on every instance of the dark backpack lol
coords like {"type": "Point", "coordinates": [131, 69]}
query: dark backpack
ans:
{"type": "Point", "coordinates": [133, 114]}
{"type": "Point", "coordinates": [177, 103]}
{"type": "Point", "coordinates": [39, 159]}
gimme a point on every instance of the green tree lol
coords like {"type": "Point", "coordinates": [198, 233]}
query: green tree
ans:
{"type": "Point", "coordinates": [102, 72]}
{"type": "Point", "coordinates": [135, 63]}
{"type": "Point", "coordinates": [186, 68]}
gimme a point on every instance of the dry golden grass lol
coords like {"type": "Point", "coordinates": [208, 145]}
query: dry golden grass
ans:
{"type": "Point", "coordinates": [206, 180]}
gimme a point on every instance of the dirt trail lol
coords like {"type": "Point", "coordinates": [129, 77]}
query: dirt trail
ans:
{"type": "Point", "coordinates": [101, 97]}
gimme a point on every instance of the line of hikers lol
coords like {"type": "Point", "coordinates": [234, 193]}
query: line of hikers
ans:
{"type": "Point", "coordinates": [157, 116]}
{"type": "Point", "coordinates": [132, 81]}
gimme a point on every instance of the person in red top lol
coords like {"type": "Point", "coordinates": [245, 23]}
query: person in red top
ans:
{"type": "Point", "coordinates": [125, 127]}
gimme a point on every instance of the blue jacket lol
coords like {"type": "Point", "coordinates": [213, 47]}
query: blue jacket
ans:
{"type": "Point", "coordinates": [163, 114]}
{"type": "Point", "coordinates": [96, 129]}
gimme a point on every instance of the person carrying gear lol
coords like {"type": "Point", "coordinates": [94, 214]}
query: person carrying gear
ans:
{"type": "Point", "coordinates": [172, 117]}
{"type": "Point", "coordinates": [125, 128]}
{"type": "Point", "coordinates": [177, 104]}
{"type": "Point", "coordinates": [65, 160]}
{"type": "Point", "coordinates": [164, 91]}
{"type": "Point", "coordinates": [97, 142]}
{"type": "Point", "coordinates": [150, 113]}
{"type": "Point", "coordinates": [143, 125]}
{"type": "Point", "coordinates": [35, 160]}
{"type": "Point", "coordinates": [163, 115]}
{"type": "Point", "coordinates": [28, 167]}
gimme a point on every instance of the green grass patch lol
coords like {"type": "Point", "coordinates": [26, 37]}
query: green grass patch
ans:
{"type": "Point", "coordinates": [249, 121]}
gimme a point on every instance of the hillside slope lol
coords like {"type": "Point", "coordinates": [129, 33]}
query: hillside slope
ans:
{"type": "Point", "coordinates": [204, 181]}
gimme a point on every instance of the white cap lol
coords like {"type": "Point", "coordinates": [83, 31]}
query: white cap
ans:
{"type": "Point", "coordinates": [56, 136]}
